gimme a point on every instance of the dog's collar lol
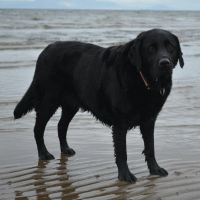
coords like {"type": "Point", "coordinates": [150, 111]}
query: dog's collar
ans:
{"type": "Point", "coordinates": [162, 90]}
{"type": "Point", "coordinates": [145, 81]}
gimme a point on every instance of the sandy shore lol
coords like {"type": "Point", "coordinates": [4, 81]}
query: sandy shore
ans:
{"type": "Point", "coordinates": [92, 173]}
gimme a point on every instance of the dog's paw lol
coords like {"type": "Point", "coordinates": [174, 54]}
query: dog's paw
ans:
{"type": "Point", "coordinates": [158, 171]}
{"type": "Point", "coordinates": [68, 151]}
{"type": "Point", "coordinates": [46, 156]}
{"type": "Point", "coordinates": [127, 176]}
{"type": "Point", "coordinates": [155, 169]}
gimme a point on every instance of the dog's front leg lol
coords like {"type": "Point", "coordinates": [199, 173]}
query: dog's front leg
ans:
{"type": "Point", "coordinates": [119, 139]}
{"type": "Point", "coordinates": [147, 130]}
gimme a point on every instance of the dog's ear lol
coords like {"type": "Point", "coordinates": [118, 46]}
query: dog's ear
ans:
{"type": "Point", "coordinates": [134, 53]}
{"type": "Point", "coordinates": [180, 54]}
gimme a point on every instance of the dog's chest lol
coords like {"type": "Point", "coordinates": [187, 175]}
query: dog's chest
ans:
{"type": "Point", "coordinates": [143, 109]}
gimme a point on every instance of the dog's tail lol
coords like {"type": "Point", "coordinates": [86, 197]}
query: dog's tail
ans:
{"type": "Point", "coordinates": [26, 104]}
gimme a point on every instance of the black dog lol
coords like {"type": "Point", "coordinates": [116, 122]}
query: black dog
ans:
{"type": "Point", "coordinates": [122, 86]}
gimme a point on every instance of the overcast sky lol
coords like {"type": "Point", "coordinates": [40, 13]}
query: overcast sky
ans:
{"type": "Point", "coordinates": [104, 4]}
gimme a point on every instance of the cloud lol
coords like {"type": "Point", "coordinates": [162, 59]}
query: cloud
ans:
{"type": "Point", "coordinates": [138, 4]}
{"type": "Point", "coordinates": [135, 1]}
{"type": "Point", "coordinates": [87, 4]}
{"type": "Point", "coordinates": [66, 4]}
{"type": "Point", "coordinates": [149, 4]}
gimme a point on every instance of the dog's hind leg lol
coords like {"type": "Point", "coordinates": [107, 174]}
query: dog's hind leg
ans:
{"type": "Point", "coordinates": [66, 117]}
{"type": "Point", "coordinates": [48, 107]}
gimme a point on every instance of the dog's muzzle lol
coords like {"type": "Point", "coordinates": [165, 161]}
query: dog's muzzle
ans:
{"type": "Point", "coordinates": [164, 68]}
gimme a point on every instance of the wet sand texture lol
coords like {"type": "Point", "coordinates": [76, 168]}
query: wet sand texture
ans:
{"type": "Point", "coordinates": [92, 173]}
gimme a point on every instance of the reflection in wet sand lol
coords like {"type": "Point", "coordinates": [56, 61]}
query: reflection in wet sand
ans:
{"type": "Point", "coordinates": [41, 190]}
{"type": "Point", "coordinates": [92, 173]}
{"type": "Point", "coordinates": [51, 182]}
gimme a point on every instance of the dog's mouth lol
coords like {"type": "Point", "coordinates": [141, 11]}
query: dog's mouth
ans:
{"type": "Point", "coordinates": [162, 77]}
{"type": "Point", "coordinates": [160, 82]}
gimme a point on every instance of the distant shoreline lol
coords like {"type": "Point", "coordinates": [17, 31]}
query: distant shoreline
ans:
{"type": "Point", "coordinates": [68, 9]}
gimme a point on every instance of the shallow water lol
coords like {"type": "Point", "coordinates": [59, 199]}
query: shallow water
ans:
{"type": "Point", "coordinates": [92, 173]}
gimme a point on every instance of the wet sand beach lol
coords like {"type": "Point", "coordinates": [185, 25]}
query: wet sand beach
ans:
{"type": "Point", "coordinates": [92, 173]}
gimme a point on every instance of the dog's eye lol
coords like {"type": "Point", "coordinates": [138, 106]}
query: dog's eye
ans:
{"type": "Point", "coordinates": [151, 48]}
{"type": "Point", "coordinates": [170, 47]}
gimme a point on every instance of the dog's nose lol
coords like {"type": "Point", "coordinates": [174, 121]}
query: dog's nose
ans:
{"type": "Point", "coordinates": [164, 62]}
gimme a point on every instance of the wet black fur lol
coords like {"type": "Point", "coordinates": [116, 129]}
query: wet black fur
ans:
{"type": "Point", "coordinates": [106, 82]}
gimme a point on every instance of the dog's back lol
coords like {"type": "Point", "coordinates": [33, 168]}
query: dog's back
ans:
{"type": "Point", "coordinates": [69, 66]}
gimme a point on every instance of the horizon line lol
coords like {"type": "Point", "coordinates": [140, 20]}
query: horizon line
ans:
{"type": "Point", "coordinates": [100, 9]}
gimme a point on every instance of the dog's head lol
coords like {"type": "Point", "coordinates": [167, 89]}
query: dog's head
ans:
{"type": "Point", "coordinates": [156, 53]}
